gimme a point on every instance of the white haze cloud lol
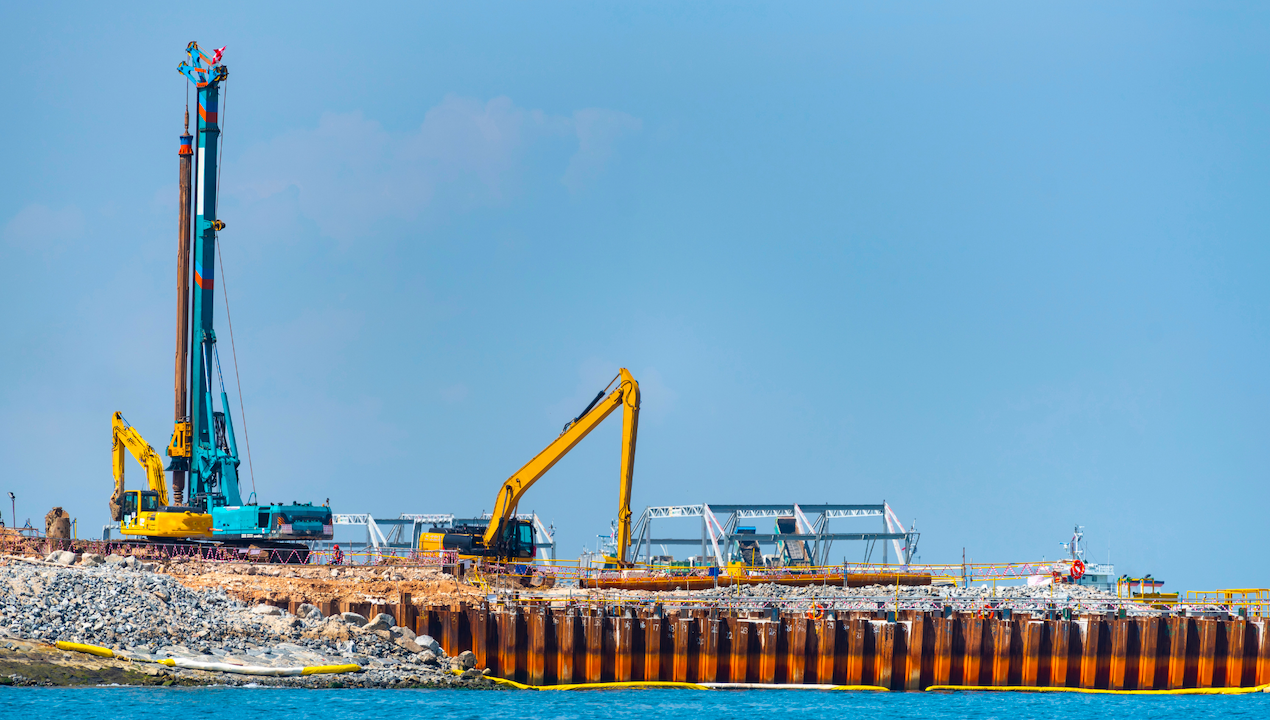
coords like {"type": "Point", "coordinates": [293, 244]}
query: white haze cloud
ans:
{"type": "Point", "coordinates": [41, 228]}
{"type": "Point", "coordinates": [349, 172]}
{"type": "Point", "coordinates": [598, 131]}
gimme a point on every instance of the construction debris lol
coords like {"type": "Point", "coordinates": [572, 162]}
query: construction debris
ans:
{"type": "Point", "coordinates": [57, 524]}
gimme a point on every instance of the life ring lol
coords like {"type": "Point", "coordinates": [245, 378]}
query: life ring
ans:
{"type": "Point", "coordinates": [986, 611]}
{"type": "Point", "coordinates": [1078, 569]}
{"type": "Point", "coordinates": [816, 611]}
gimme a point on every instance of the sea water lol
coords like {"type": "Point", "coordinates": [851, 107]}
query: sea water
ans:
{"type": "Point", "coordinates": [652, 704]}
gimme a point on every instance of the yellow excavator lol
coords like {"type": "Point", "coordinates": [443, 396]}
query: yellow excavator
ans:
{"type": "Point", "coordinates": [510, 538]}
{"type": "Point", "coordinates": [146, 512]}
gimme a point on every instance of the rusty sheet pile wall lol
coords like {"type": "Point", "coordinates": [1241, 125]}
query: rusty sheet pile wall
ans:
{"type": "Point", "coordinates": [543, 645]}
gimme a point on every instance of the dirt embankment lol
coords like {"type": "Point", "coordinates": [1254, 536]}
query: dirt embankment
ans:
{"type": "Point", "coordinates": [258, 583]}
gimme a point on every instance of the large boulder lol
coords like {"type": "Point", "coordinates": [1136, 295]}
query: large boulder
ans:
{"type": "Point", "coordinates": [427, 643]}
{"type": "Point", "coordinates": [332, 628]}
{"type": "Point", "coordinates": [91, 560]}
{"type": "Point", "coordinates": [61, 557]}
{"type": "Point", "coordinates": [267, 610]}
{"type": "Point", "coordinates": [353, 618]}
{"type": "Point", "coordinates": [309, 612]}
{"type": "Point", "coordinates": [467, 659]}
{"type": "Point", "coordinates": [280, 624]}
{"type": "Point", "coordinates": [410, 645]}
{"type": "Point", "coordinates": [382, 621]}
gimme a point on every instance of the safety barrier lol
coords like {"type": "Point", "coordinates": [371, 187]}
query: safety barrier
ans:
{"type": "Point", "coordinates": [296, 554]}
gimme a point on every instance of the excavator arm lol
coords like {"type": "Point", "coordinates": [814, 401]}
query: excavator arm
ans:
{"type": "Point", "coordinates": [625, 396]}
{"type": "Point", "coordinates": [124, 436]}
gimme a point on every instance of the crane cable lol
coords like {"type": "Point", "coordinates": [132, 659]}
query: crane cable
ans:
{"type": "Point", "coordinates": [242, 410]}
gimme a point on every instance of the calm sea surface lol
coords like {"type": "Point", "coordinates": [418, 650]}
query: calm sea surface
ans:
{"type": "Point", "coordinates": [251, 703]}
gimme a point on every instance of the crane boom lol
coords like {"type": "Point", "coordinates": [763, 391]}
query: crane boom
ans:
{"type": "Point", "coordinates": [625, 395]}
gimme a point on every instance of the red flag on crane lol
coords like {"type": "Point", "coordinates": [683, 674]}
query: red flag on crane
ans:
{"type": "Point", "coordinates": [216, 55]}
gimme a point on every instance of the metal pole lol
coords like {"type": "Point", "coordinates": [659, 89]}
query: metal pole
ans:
{"type": "Point", "coordinates": [886, 555]}
{"type": "Point", "coordinates": [703, 538]}
{"type": "Point", "coordinates": [181, 412]}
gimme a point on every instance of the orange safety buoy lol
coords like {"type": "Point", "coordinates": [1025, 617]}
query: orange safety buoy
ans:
{"type": "Point", "coordinates": [816, 612]}
{"type": "Point", "coordinates": [1078, 569]}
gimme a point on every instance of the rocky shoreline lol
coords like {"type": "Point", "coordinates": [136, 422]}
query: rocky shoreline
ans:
{"type": "Point", "coordinates": [145, 616]}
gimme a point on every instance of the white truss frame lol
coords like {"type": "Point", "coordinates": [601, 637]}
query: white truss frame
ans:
{"type": "Point", "coordinates": [721, 534]}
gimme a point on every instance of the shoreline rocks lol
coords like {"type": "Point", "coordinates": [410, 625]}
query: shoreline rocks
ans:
{"type": "Point", "coordinates": [119, 603]}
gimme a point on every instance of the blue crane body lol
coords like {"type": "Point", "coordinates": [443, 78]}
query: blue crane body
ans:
{"type": "Point", "coordinates": [205, 446]}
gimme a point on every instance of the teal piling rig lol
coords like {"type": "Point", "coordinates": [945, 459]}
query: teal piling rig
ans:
{"type": "Point", "coordinates": [209, 452]}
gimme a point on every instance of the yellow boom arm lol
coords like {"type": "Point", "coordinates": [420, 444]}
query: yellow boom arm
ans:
{"type": "Point", "coordinates": [124, 436]}
{"type": "Point", "coordinates": [627, 396]}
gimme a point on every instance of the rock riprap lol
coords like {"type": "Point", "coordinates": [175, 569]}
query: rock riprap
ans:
{"type": "Point", "coordinates": [120, 604]}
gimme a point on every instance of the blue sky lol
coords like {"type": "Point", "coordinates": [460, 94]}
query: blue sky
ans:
{"type": "Point", "coordinates": [1000, 265]}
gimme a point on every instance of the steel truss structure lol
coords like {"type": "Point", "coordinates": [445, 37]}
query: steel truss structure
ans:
{"type": "Point", "coordinates": [721, 539]}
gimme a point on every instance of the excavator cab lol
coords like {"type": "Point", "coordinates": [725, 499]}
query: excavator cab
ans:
{"type": "Point", "coordinates": [136, 502]}
{"type": "Point", "coordinates": [521, 540]}
{"type": "Point", "coordinates": [516, 542]}
{"type": "Point", "coordinates": [142, 515]}
{"type": "Point", "coordinates": [138, 506]}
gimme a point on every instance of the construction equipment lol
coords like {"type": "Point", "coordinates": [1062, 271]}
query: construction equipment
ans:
{"type": "Point", "coordinates": [507, 537]}
{"type": "Point", "coordinates": [203, 443]}
{"type": "Point", "coordinates": [205, 446]}
{"type": "Point", "coordinates": [792, 552]}
{"type": "Point", "coordinates": [146, 512]}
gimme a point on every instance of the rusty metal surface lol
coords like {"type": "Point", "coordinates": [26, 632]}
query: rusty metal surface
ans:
{"type": "Point", "coordinates": [914, 652]}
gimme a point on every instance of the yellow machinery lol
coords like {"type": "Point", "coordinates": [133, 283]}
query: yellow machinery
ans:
{"type": "Point", "coordinates": [508, 538]}
{"type": "Point", "coordinates": [146, 512]}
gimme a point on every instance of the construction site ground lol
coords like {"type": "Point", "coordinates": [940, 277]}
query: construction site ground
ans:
{"type": "Point", "coordinates": [252, 583]}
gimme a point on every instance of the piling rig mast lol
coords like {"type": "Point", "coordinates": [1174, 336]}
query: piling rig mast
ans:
{"type": "Point", "coordinates": [204, 445]}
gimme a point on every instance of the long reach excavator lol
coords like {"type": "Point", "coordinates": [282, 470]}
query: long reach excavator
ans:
{"type": "Point", "coordinates": [508, 537]}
